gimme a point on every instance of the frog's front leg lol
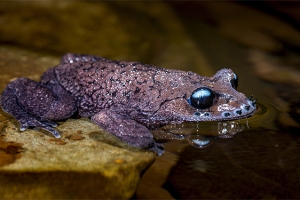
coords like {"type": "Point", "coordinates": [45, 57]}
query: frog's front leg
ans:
{"type": "Point", "coordinates": [127, 130]}
{"type": "Point", "coordinates": [37, 105]}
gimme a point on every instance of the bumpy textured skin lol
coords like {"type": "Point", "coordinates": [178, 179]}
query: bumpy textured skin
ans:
{"type": "Point", "coordinates": [121, 97]}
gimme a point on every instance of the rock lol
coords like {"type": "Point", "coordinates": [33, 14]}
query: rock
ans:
{"type": "Point", "coordinates": [86, 162]}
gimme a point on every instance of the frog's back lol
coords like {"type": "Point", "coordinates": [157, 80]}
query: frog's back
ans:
{"type": "Point", "coordinates": [98, 83]}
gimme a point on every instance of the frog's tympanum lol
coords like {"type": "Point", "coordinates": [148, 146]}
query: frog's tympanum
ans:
{"type": "Point", "coordinates": [124, 97]}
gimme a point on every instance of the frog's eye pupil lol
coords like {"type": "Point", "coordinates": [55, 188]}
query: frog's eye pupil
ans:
{"type": "Point", "coordinates": [235, 81]}
{"type": "Point", "coordinates": [202, 98]}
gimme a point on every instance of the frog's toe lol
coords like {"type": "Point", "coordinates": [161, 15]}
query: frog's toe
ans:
{"type": "Point", "coordinates": [49, 123]}
{"type": "Point", "coordinates": [158, 148]}
{"type": "Point", "coordinates": [51, 130]}
{"type": "Point", "coordinates": [23, 127]}
{"type": "Point", "coordinates": [25, 123]}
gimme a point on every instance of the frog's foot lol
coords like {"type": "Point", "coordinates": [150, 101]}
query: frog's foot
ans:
{"type": "Point", "coordinates": [27, 121]}
{"type": "Point", "coordinates": [128, 131]}
{"type": "Point", "coordinates": [10, 106]}
{"type": "Point", "coordinates": [49, 123]}
{"type": "Point", "coordinates": [36, 105]}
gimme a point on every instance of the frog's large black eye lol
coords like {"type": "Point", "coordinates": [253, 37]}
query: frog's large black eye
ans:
{"type": "Point", "coordinates": [235, 81]}
{"type": "Point", "coordinates": [202, 98]}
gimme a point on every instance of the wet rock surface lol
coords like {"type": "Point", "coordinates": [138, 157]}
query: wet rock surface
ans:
{"type": "Point", "coordinates": [86, 162]}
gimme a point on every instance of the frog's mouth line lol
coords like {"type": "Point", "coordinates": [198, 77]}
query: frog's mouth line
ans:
{"type": "Point", "coordinates": [212, 119]}
{"type": "Point", "coordinates": [239, 117]}
{"type": "Point", "coordinates": [207, 116]}
{"type": "Point", "coordinates": [244, 111]}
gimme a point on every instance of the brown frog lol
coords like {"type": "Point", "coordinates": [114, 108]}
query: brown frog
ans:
{"type": "Point", "coordinates": [124, 97]}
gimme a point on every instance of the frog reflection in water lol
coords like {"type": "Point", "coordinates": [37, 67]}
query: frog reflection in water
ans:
{"type": "Point", "coordinates": [124, 97]}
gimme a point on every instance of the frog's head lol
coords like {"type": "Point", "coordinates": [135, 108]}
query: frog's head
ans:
{"type": "Point", "coordinates": [210, 99]}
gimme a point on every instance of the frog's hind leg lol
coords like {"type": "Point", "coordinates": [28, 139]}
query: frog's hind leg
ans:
{"type": "Point", "coordinates": [36, 105]}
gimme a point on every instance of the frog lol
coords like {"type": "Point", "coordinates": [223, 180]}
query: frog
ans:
{"type": "Point", "coordinates": [124, 97]}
